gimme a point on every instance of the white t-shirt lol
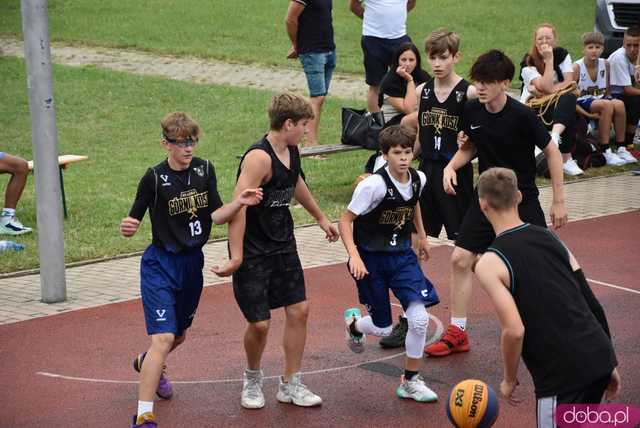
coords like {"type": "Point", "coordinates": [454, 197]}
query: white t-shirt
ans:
{"type": "Point", "coordinates": [386, 19]}
{"type": "Point", "coordinates": [621, 71]}
{"type": "Point", "coordinates": [529, 74]}
{"type": "Point", "coordinates": [370, 192]}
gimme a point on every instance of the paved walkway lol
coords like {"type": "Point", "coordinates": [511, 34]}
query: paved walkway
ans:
{"type": "Point", "coordinates": [117, 280]}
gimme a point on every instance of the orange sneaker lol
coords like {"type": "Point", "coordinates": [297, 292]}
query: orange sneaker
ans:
{"type": "Point", "coordinates": [453, 340]}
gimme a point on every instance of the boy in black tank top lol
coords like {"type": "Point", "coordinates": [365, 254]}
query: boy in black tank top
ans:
{"type": "Point", "coordinates": [502, 132]}
{"type": "Point", "coordinates": [553, 320]}
{"type": "Point", "coordinates": [270, 275]}
{"type": "Point", "coordinates": [376, 231]}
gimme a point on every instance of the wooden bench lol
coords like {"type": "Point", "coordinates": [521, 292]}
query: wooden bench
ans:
{"type": "Point", "coordinates": [63, 162]}
{"type": "Point", "coordinates": [324, 149]}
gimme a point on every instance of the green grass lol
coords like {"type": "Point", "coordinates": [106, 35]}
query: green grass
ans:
{"type": "Point", "coordinates": [114, 119]}
{"type": "Point", "coordinates": [253, 30]}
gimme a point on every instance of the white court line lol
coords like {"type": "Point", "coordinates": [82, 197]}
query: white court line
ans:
{"type": "Point", "coordinates": [437, 334]}
{"type": "Point", "coordinates": [606, 284]}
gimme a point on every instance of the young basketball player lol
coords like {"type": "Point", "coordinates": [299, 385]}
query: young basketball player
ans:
{"type": "Point", "coordinates": [182, 198]}
{"type": "Point", "coordinates": [552, 319]}
{"type": "Point", "coordinates": [270, 276]}
{"type": "Point", "coordinates": [376, 231]}
{"type": "Point", "coordinates": [502, 132]}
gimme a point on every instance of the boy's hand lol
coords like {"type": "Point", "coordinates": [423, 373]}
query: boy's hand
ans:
{"type": "Point", "coordinates": [228, 268]}
{"type": "Point", "coordinates": [331, 232]}
{"type": "Point", "coordinates": [250, 196]}
{"type": "Point", "coordinates": [357, 268]}
{"type": "Point", "coordinates": [423, 248]}
{"type": "Point", "coordinates": [613, 389]}
{"type": "Point", "coordinates": [462, 140]}
{"type": "Point", "coordinates": [129, 226]}
{"type": "Point", "coordinates": [558, 214]}
{"type": "Point", "coordinates": [449, 180]}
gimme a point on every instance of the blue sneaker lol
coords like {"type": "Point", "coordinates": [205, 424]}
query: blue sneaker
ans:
{"type": "Point", "coordinates": [355, 343]}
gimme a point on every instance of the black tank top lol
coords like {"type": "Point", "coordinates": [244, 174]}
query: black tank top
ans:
{"type": "Point", "coordinates": [269, 228]}
{"type": "Point", "coordinates": [388, 226]}
{"type": "Point", "coordinates": [440, 122]}
{"type": "Point", "coordinates": [565, 348]}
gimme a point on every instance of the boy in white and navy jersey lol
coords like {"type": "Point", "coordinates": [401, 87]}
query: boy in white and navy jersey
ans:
{"type": "Point", "coordinates": [552, 320]}
{"type": "Point", "coordinates": [181, 195]}
{"type": "Point", "coordinates": [376, 231]}
{"type": "Point", "coordinates": [592, 75]}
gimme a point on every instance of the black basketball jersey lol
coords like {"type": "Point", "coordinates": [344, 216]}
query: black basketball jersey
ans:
{"type": "Point", "coordinates": [565, 347]}
{"type": "Point", "coordinates": [180, 204]}
{"type": "Point", "coordinates": [388, 226]}
{"type": "Point", "coordinates": [440, 122]}
{"type": "Point", "coordinates": [269, 228]}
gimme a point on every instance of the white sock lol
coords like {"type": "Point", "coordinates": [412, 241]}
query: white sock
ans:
{"type": "Point", "coordinates": [144, 407]}
{"type": "Point", "coordinates": [8, 212]}
{"type": "Point", "coordinates": [365, 325]}
{"type": "Point", "coordinates": [461, 323]}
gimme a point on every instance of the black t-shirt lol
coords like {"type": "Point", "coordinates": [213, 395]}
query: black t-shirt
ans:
{"type": "Point", "coordinates": [315, 27]}
{"type": "Point", "coordinates": [440, 122]}
{"type": "Point", "coordinates": [180, 204]}
{"type": "Point", "coordinates": [388, 226]}
{"type": "Point", "coordinates": [269, 225]}
{"type": "Point", "coordinates": [565, 347]}
{"type": "Point", "coordinates": [507, 139]}
{"type": "Point", "coordinates": [393, 85]}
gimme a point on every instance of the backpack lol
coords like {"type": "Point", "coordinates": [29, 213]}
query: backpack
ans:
{"type": "Point", "coordinates": [585, 152]}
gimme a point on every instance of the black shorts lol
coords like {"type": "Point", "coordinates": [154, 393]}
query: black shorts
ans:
{"type": "Point", "coordinates": [378, 55]}
{"type": "Point", "coordinates": [547, 406]}
{"type": "Point", "coordinates": [268, 282]}
{"type": "Point", "coordinates": [439, 208]}
{"type": "Point", "coordinates": [476, 233]}
{"type": "Point", "coordinates": [632, 107]}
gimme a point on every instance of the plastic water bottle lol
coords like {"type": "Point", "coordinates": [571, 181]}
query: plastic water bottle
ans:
{"type": "Point", "coordinates": [11, 246]}
{"type": "Point", "coordinates": [636, 137]}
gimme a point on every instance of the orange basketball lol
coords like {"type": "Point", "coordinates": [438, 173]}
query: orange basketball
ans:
{"type": "Point", "coordinates": [472, 404]}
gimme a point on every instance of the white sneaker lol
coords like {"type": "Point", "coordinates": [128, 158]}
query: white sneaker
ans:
{"type": "Point", "coordinates": [624, 154]}
{"type": "Point", "coordinates": [570, 167]}
{"type": "Point", "coordinates": [613, 159]}
{"type": "Point", "coordinates": [296, 392]}
{"type": "Point", "coordinates": [416, 390]}
{"type": "Point", "coordinates": [355, 343]}
{"type": "Point", "coordinates": [12, 226]}
{"type": "Point", "coordinates": [252, 396]}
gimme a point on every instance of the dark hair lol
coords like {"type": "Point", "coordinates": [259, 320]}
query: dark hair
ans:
{"type": "Point", "coordinates": [402, 48]}
{"type": "Point", "coordinates": [288, 105]}
{"type": "Point", "coordinates": [396, 135]}
{"type": "Point", "coordinates": [632, 31]}
{"type": "Point", "coordinates": [499, 187]}
{"type": "Point", "coordinates": [593, 38]}
{"type": "Point", "coordinates": [492, 66]}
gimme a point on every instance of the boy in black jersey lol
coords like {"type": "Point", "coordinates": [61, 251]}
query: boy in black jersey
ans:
{"type": "Point", "coordinates": [271, 275]}
{"type": "Point", "coordinates": [502, 132]}
{"type": "Point", "coordinates": [182, 197]}
{"type": "Point", "coordinates": [552, 320]}
{"type": "Point", "coordinates": [376, 231]}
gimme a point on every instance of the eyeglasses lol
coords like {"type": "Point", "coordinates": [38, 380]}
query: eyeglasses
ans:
{"type": "Point", "coordinates": [188, 142]}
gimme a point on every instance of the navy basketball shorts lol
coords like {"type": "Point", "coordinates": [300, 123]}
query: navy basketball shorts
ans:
{"type": "Point", "coordinates": [399, 272]}
{"type": "Point", "coordinates": [171, 285]}
{"type": "Point", "coordinates": [268, 282]}
{"type": "Point", "coordinates": [476, 233]}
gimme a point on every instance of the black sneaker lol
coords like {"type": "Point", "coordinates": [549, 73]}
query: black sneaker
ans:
{"type": "Point", "coordinates": [397, 336]}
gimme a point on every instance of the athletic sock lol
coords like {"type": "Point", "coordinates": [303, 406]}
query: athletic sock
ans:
{"type": "Point", "coordinates": [352, 329]}
{"type": "Point", "coordinates": [145, 407]}
{"type": "Point", "coordinates": [605, 147]}
{"type": "Point", "coordinates": [8, 212]}
{"type": "Point", "coordinates": [409, 374]}
{"type": "Point", "coordinates": [461, 323]}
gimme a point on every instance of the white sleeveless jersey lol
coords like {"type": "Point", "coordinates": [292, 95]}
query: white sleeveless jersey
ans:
{"type": "Point", "coordinates": [588, 88]}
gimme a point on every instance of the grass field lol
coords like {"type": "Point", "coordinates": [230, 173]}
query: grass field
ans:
{"type": "Point", "coordinates": [253, 30]}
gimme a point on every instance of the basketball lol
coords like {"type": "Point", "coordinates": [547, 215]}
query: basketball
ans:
{"type": "Point", "coordinates": [472, 404]}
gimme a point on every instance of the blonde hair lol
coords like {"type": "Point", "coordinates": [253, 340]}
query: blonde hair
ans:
{"type": "Point", "coordinates": [442, 40]}
{"type": "Point", "coordinates": [499, 187]}
{"type": "Point", "coordinates": [178, 125]}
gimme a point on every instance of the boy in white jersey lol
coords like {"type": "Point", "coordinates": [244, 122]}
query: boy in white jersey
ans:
{"type": "Point", "coordinates": [591, 73]}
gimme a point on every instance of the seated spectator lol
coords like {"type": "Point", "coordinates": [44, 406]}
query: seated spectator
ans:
{"type": "Point", "coordinates": [592, 73]}
{"type": "Point", "coordinates": [397, 97]}
{"type": "Point", "coordinates": [18, 168]}
{"type": "Point", "coordinates": [548, 69]}
{"type": "Point", "coordinates": [623, 81]}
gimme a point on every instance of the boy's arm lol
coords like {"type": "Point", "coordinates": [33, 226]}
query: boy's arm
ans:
{"type": "Point", "coordinates": [582, 112]}
{"type": "Point", "coordinates": [355, 263]}
{"type": "Point", "coordinates": [558, 210]}
{"type": "Point", "coordinates": [494, 278]}
{"type": "Point", "coordinates": [463, 156]}
{"type": "Point", "coordinates": [355, 6]}
{"type": "Point", "coordinates": [423, 240]}
{"type": "Point", "coordinates": [303, 195]}
{"type": "Point", "coordinates": [144, 195]}
{"type": "Point", "coordinates": [228, 211]}
{"type": "Point", "coordinates": [576, 72]}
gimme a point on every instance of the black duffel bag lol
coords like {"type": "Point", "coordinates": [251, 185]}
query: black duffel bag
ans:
{"type": "Point", "coordinates": [361, 128]}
